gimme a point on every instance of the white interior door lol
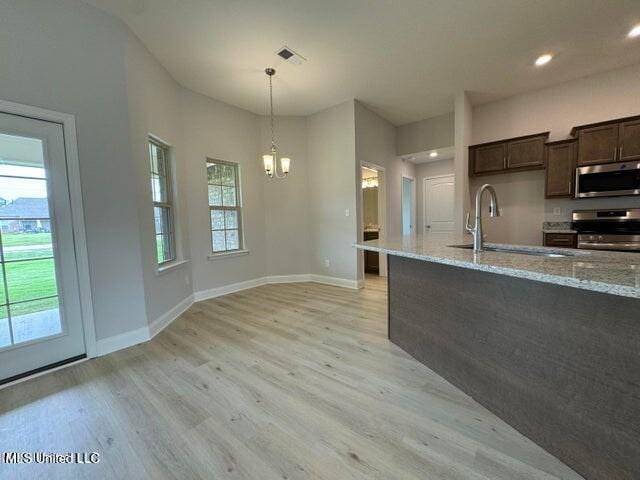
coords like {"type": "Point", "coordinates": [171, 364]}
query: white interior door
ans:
{"type": "Point", "coordinates": [438, 204]}
{"type": "Point", "coordinates": [40, 314]}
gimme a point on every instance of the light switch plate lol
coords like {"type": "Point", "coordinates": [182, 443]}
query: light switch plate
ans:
{"type": "Point", "coordinates": [557, 211]}
{"type": "Point", "coordinates": [346, 212]}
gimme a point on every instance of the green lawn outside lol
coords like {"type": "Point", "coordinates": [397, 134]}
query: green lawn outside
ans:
{"type": "Point", "coordinates": [28, 280]}
{"type": "Point", "coordinates": [15, 239]}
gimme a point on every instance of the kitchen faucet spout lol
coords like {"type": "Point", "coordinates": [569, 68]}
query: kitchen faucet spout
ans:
{"type": "Point", "coordinates": [494, 211]}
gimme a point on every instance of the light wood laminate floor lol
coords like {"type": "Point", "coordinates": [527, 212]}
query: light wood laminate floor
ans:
{"type": "Point", "coordinates": [289, 381]}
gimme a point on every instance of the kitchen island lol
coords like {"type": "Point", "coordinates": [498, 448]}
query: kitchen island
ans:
{"type": "Point", "coordinates": [549, 344]}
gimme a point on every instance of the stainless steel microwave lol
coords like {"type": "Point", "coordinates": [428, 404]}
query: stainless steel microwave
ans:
{"type": "Point", "coordinates": [609, 180]}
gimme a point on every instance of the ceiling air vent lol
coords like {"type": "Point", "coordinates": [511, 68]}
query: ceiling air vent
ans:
{"type": "Point", "coordinates": [290, 56]}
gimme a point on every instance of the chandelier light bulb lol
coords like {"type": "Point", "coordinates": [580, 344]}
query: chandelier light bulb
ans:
{"type": "Point", "coordinates": [284, 164]}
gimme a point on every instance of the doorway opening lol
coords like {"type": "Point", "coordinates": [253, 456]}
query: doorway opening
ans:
{"type": "Point", "coordinates": [372, 221]}
{"type": "Point", "coordinates": [408, 205]}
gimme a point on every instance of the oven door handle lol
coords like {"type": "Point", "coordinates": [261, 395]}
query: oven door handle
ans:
{"type": "Point", "coordinates": [609, 246]}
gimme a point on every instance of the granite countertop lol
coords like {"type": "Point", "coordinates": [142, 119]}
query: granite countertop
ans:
{"type": "Point", "coordinates": [557, 227]}
{"type": "Point", "coordinates": [615, 273]}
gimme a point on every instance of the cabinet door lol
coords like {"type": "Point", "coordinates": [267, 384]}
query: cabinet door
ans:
{"type": "Point", "coordinates": [526, 153]}
{"type": "Point", "coordinates": [629, 143]}
{"type": "Point", "coordinates": [560, 170]}
{"type": "Point", "coordinates": [489, 158]}
{"type": "Point", "coordinates": [371, 262]}
{"type": "Point", "coordinates": [598, 144]}
{"type": "Point", "coordinates": [568, 240]}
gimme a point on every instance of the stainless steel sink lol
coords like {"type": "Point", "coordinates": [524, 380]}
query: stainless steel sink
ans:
{"type": "Point", "coordinates": [522, 251]}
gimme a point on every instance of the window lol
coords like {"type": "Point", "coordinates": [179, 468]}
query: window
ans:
{"type": "Point", "coordinates": [224, 206]}
{"type": "Point", "coordinates": [162, 202]}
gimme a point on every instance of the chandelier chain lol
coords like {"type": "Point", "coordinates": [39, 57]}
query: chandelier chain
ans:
{"type": "Point", "coordinates": [273, 144]}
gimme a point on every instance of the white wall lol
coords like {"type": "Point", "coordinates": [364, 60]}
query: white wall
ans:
{"type": "Point", "coordinates": [69, 57]}
{"type": "Point", "coordinates": [426, 170]}
{"type": "Point", "coordinates": [220, 131]}
{"type": "Point", "coordinates": [286, 202]}
{"type": "Point", "coordinates": [556, 109]}
{"type": "Point", "coordinates": [333, 176]}
{"type": "Point", "coordinates": [154, 109]}
{"type": "Point", "coordinates": [463, 131]}
{"type": "Point", "coordinates": [375, 143]}
{"type": "Point", "coordinates": [427, 134]}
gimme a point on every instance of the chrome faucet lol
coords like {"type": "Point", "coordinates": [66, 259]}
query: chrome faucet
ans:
{"type": "Point", "coordinates": [494, 211]}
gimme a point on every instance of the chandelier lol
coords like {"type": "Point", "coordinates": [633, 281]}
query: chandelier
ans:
{"type": "Point", "coordinates": [271, 160]}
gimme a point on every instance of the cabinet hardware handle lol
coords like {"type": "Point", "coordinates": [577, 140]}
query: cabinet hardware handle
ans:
{"type": "Point", "coordinates": [615, 154]}
{"type": "Point", "coordinates": [620, 154]}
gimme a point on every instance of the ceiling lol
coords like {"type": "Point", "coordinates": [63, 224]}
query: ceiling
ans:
{"type": "Point", "coordinates": [405, 59]}
{"type": "Point", "coordinates": [445, 153]}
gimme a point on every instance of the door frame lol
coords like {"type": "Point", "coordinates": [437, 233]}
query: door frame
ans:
{"type": "Point", "coordinates": [424, 196]}
{"type": "Point", "coordinates": [382, 211]}
{"type": "Point", "coordinates": [68, 123]}
{"type": "Point", "coordinates": [412, 203]}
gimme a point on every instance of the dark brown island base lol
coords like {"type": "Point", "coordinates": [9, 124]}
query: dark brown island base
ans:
{"type": "Point", "coordinates": [558, 363]}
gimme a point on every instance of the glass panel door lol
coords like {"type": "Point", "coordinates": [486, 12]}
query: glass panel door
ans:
{"type": "Point", "coordinates": [27, 264]}
{"type": "Point", "coordinates": [40, 315]}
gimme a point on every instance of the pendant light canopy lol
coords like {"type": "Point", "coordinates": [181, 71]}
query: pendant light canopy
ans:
{"type": "Point", "coordinates": [270, 160]}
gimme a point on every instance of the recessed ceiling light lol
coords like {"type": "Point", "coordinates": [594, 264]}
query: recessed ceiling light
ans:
{"type": "Point", "coordinates": [433, 154]}
{"type": "Point", "coordinates": [543, 59]}
{"type": "Point", "coordinates": [634, 32]}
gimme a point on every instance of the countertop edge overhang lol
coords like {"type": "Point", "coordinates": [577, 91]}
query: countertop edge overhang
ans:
{"type": "Point", "coordinates": [621, 289]}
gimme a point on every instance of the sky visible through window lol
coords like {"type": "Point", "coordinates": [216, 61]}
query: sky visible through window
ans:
{"type": "Point", "coordinates": [12, 188]}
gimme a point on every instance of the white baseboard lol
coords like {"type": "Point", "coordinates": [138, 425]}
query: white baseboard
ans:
{"type": "Point", "coordinates": [144, 334]}
{"type": "Point", "coordinates": [163, 321]}
{"type": "Point", "coordinates": [337, 282]}
{"type": "Point", "coordinates": [123, 340]}
{"type": "Point", "coordinates": [226, 289]}
{"type": "Point", "coordinates": [304, 277]}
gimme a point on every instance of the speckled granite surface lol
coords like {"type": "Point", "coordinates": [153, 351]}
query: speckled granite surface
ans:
{"type": "Point", "coordinates": [557, 227]}
{"type": "Point", "coordinates": [608, 272]}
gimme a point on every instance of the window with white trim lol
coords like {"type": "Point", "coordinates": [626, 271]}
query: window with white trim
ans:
{"type": "Point", "coordinates": [162, 195]}
{"type": "Point", "coordinates": [225, 212]}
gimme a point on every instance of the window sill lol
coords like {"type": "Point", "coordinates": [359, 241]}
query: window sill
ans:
{"type": "Point", "coordinates": [161, 270]}
{"type": "Point", "coordinates": [233, 253]}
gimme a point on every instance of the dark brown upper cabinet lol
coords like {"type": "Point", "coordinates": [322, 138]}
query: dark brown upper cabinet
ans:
{"type": "Point", "coordinates": [598, 145]}
{"type": "Point", "coordinates": [607, 142]}
{"type": "Point", "coordinates": [490, 158]}
{"type": "Point", "coordinates": [528, 152]}
{"type": "Point", "coordinates": [561, 168]}
{"type": "Point", "coordinates": [629, 141]}
{"type": "Point", "coordinates": [509, 155]}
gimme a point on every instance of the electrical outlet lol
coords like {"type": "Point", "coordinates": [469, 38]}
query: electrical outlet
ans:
{"type": "Point", "coordinates": [557, 211]}
{"type": "Point", "coordinates": [327, 263]}
{"type": "Point", "coordinates": [346, 212]}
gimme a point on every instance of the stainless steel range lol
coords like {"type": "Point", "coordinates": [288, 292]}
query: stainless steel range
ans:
{"type": "Point", "coordinates": [617, 229]}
